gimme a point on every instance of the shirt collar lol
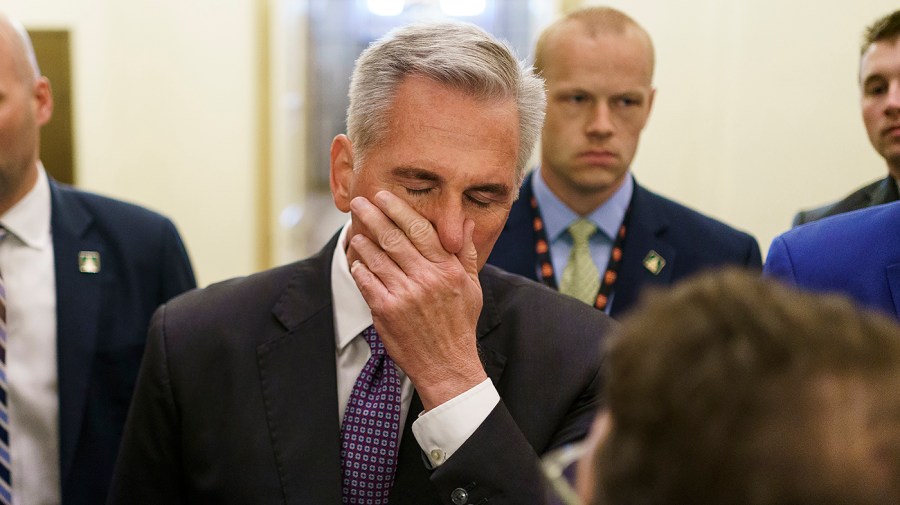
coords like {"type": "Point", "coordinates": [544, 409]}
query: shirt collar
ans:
{"type": "Point", "coordinates": [355, 315]}
{"type": "Point", "coordinates": [557, 216]}
{"type": "Point", "coordinates": [29, 219]}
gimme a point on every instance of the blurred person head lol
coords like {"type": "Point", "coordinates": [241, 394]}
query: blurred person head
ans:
{"type": "Point", "coordinates": [598, 67]}
{"type": "Point", "coordinates": [734, 389]}
{"type": "Point", "coordinates": [444, 116]}
{"type": "Point", "coordinates": [879, 80]}
{"type": "Point", "coordinates": [26, 104]}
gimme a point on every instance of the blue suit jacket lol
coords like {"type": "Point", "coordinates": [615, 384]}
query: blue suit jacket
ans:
{"type": "Point", "coordinates": [687, 240]}
{"type": "Point", "coordinates": [857, 253]}
{"type": "Point", "coordinates": [102, 321]}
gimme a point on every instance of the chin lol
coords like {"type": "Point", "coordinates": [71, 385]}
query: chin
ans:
{"type": "Point", "coordinates": [598, 181]}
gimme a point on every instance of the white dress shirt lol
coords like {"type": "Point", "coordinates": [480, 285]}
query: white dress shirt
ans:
{"type": "Point", "coordinates": [26, 260]}
{"type": "Point", "coordinates": [441, 431]}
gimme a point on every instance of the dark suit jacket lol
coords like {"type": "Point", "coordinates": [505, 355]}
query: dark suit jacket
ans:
{"type": "Point", "coordinates": [876, 193]}
{"type": "Point", "coordinates": [102, 321]}
{"type": "Point", "coordinates": [856, 253]}
{"type": "Point", "coordinates": [236, 400]}
{"type": "Point", "coordinates": [687, 240]}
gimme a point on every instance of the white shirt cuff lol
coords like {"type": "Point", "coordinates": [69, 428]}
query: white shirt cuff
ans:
{"type": "Point", "coordinates": [442, 430]}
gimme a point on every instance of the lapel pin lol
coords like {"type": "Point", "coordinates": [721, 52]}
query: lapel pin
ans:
{"type": "Point", "coordinates": [89, 262]}
{"type": "Point", "coordinates": [654, 262]}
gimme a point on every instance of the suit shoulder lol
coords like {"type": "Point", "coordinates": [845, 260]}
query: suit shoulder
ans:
{"type": "Point", "coordinates": [862, 228]}
{"type": "Point", "coordinates": [858, 199]}
{"type": "Point", "coordinates": [107, 208]}
{"type": "Point", "coordinates": [229, 294]}
{"type": "Point", "coordinates": [683, 217]}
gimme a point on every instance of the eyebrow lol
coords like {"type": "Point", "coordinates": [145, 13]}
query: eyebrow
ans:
{"type": "Point", "coordinates": [492, 188]}
{"type": "Point", "coordinates": [416, 173]}
{"type": "Point", "coordinates": [873, 77]}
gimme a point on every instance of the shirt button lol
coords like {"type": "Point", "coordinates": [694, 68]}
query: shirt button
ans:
{"type": "Point", "coordinates": [437, 456]}
{"type": "Point", "coordinates": [459, 496]}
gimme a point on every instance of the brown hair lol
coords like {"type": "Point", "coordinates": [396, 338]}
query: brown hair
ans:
{"type": "Point", "coordinates": [885, 28]}
{"type": "Point", "coordinates": [732, 389]}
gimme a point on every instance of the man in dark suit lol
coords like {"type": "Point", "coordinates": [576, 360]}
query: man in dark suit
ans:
{"type": "Point", "coordinates": [598, 65]}
{"type": "Point", "coordinates": [82, 275]}
{"type": "Point", "coordinates": [879, 83]}
{"type": "Point", "coordinates": [255, 390]}
{"type": "Point", "coordinates": [856, 253]}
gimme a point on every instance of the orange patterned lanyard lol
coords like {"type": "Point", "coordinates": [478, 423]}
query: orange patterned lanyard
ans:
{"type": "Point", "coordinates": [542, 248]}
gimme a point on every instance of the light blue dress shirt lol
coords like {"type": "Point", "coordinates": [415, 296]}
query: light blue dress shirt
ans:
{"type": "Point", "coordinates": [557, 218]}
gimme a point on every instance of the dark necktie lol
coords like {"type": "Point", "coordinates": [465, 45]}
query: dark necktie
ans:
{"type": "Point", "coordinates": [370, 431]}
{"type": "Point", "coordinates": [5, 477]}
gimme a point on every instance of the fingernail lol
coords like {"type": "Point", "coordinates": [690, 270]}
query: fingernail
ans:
{"type": "Point", "coordinates": [382, 197]}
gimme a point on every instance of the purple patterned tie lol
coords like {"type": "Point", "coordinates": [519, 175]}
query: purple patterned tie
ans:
{"type": "Point", "coordinates": [371, 429]}
{"type": "Point", "coordinates": [5, 477]}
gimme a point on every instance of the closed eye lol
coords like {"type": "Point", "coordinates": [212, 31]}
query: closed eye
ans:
{"type": "Point", "coordinates": [484, 196]}
{"type": "Point", "coordinates": [478, 202]}
{"type": "Point", "coordinates": [418, 192]}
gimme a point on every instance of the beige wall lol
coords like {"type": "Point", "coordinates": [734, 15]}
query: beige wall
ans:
{"type": "Point", "coordinates": [196, 108]}
{"type": "Point", "coordinates": [757, 108]}
{"type": "Point", "coordinates": [166, 105]}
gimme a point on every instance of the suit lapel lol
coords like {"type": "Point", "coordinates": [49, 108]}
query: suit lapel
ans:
{"type": "Point", "coordinates": [299, 386]}
{"type": "Point", "coordinates": [489, 350]}
{"type": "Point", "coordinates": [78, 307]}
{"type": "Point", "coordinates": [411, 483]}
{"type": "Point", "coordinates": [883, 192]}
{"type": "Point", "coordinates": [645, 246]}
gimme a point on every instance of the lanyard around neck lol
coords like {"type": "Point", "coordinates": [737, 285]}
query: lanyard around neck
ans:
{"type": "Point", "coordinates": [542, 249]}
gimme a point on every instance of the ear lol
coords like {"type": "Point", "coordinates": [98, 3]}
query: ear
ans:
{"type": "Point", "coordinates": [43, 97]}
{"type": "Point", "coordinates": [650, 98]}
{"type": "Point", "coordinates": [341, 177]}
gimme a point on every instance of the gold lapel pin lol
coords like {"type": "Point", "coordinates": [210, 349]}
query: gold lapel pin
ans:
{"type": "Point", "coordinates": [89, 262]}
{"type": "Point", "coordinates": [654, 262]}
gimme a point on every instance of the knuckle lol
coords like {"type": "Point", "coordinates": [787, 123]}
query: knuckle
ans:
{"type": "Point", "coordinates": [378, 261]}
{"type": "Point", "coordinates": [419, 229]}
{"type": "Point", "coordinates": [391, 238]}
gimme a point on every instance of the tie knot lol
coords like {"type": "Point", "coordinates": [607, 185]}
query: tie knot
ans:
{"type": "Point", "coordinates": [373, 340]}
{"type": "Point", "coordinates": [582, 230]}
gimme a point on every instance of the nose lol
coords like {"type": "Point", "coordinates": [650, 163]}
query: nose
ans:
{"type": "Point", "coordinates": [448, 220]}
{"type": "Point", "coordinates": [600, 121]}
{"type": "Point", "coordinates": [893, 98]}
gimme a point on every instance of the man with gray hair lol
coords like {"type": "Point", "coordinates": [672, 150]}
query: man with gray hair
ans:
{"type": "Point", "coordinates": [393, 366]}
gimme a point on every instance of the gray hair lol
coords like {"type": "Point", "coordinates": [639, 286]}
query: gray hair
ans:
{"type": "Point", "coordinates": [458, 55]}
